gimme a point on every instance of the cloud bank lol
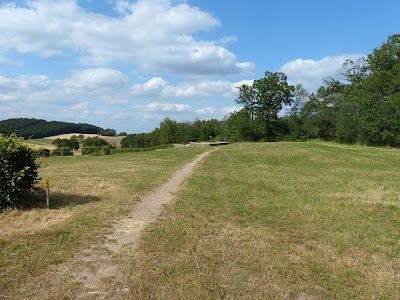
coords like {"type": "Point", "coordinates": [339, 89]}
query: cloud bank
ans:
{"type": "Point", "coordinates": [152, 35]}
{"type": "Point", "coordinates": [311, 72]}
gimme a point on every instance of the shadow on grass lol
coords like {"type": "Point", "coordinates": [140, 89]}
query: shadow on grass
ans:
{"type": "Point", "coordinates": [57, 200]}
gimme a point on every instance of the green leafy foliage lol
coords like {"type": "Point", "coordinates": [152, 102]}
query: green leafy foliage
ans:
{"type": "Point", "coordinates": [130, 150]}
{"type": "Point", "coordinates": [171, 131]}
{"type": "Point", "coordinates": [18, 170]}
{"type": "Point", "coordinates": [264, 99]}
{"type": "Point", "coordinates": [242, 126]}
{"type": "Point", "coordinates": [96, 150]}
{"type": "Point", "coordinates": [62, 151]}
{"type": "Point", "coordinates": [95, 142]}
{"type": "Point", "coordinates": [365, 109]}
{"type": "Point", "coordinates": [71, 143]}
{"type": "Point", "coordinates": [107, 132]}
{"type": "Point", "coordinates": [42, 152]}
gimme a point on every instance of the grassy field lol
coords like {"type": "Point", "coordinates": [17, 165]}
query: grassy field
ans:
{"type": "Point", "coordinates": [87, 195]}
{"type": "Point", "coordinates": [40, 143]}
{"type": "Point", "coordinates": [277, 221]}
{"type": "Point", "coordinates": [255, 221]}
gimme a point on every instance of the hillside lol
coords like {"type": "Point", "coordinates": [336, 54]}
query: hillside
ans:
{"type": "Point", "coordinates": [37, 128]}
{"type": "Point", "coordinates": [113, 140]}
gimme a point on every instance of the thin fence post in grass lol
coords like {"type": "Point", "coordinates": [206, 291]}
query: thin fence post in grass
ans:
{"type": "Point", "coordinates": [46, 183]}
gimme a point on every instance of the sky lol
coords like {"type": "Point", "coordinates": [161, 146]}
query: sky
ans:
{"type": "Point", "coordinates": [127, 65]}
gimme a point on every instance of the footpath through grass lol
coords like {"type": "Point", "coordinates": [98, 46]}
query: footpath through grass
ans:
{"type": "Point", "coordinates": [277, 221]}
{"type": "Point", "coordinates": [87, 194]}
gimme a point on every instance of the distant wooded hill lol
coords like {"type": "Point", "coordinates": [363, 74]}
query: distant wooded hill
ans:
{"type": "Point", "coordinates": [37, 128]}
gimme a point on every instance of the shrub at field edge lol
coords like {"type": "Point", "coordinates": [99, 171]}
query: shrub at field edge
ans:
{"type": "Point", "coordinates": [18, 170]}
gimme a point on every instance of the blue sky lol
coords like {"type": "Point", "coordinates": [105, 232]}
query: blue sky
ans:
{"type": "Point", "coordinates": [128, 64]}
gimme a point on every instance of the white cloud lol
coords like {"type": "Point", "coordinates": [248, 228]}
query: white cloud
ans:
{"type": "Point", "coordinates": [122, 7]}
{"type": "Point", "coordinates": [111, 86]}
{"type": "Point", "coordinates": [163, 107]}
{"type": "Point", "coordinates": [154, 86]}
{"type": "Point", "coordinates": [213, 111]}
{"type": "Point", "coordinates": [227, 39]}
{"type": "Point", "coordinates": [155, 35]}
{"type": "Point", "coordinates": [203, 89]}
{"type": "Point", "coordinates": [311, 72]}
{"type": "Point", "coordinates": [12, 88]}
{"type": "Point", "coordinates": [95, 78]}
{"type": "Point", "coordinates": [106, 84]}
{"type": "Point", "coordinates": [7, 97]}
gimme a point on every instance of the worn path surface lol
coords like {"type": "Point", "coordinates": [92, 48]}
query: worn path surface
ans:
{"type": "Point", "coordinates": [98, 265]}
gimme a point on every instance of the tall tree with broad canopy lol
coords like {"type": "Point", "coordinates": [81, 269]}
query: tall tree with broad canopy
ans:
{"type": "Point", "coordinates": [265, 98]}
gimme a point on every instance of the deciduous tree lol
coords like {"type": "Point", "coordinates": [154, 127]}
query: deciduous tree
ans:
{"type": "Point", "coordinates": [266, 98]}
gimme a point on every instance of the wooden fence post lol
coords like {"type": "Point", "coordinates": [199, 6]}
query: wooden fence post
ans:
{"type": "Point", "coordinates": [47, 193]}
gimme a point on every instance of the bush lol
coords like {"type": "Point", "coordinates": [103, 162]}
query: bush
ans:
{"type": "Point", "coordinates": [93, 150]}
{"type": "Point", "coordinates": [42, 152]}
{"type": "Point", "coordinates": [105, 150]}
{"type": "Point", "coordinates": [95, 142]}
{"type": "Point", "coordinates": [62, 151]}
{"type": "Point", "coordinates": [18, 170]}
{"type": "Point", "coordinates": [87, 150]}
{"type": "Point", "coordinates": [71, 143]}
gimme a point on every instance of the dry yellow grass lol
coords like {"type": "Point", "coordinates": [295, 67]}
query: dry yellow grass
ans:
{"type": "Point", "coordinates": [40, 146]}
{"type": "Point", "coordinates": [19, 223]}
{"type": "Point", "coordinates": [113, 140]}
{"type": "Point", "coordinates": [69, 135]}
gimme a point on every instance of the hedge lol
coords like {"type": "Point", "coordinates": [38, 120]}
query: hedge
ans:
{"type": "Point", "coordinates": [42, 152]}
{"type": "Point", "coordinates": [127, 150]}
{"type": "Point", "coordinates": [62, 151]}
{"type": "Point", "coordinates": [95, 150]}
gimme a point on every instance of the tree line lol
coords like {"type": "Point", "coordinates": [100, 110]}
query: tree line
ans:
{"type": "Point", "coordinates": [37, 128]}
{"type": "Point", "coordinates": [363, 107]}
{"type": "Point", "coordinates": [171, 131]}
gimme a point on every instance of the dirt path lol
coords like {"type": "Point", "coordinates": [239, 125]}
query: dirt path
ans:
{"type": "Point", "coordinates": [98, 265]}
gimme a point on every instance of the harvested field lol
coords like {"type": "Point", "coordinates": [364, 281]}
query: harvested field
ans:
{"type": "Point", "coordinates": [113, 140]}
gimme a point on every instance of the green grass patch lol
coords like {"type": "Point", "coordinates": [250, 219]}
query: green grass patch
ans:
{"type": "Point", "coordinates": [40, 143]}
